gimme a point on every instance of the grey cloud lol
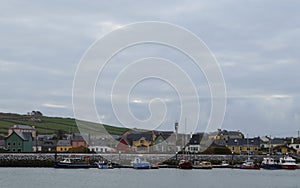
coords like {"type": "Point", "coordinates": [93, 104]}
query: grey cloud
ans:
{"type": "Point", "coordinates": [255, 42]}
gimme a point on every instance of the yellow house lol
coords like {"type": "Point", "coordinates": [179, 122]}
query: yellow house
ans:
{"type": "Point", "coordinates": [241, 145]}
{"type": "Point", "coordinates": [141, 142]}
{"type": "Point", "coordinates": [63, 146]}
{"type": "Point", "coordinates": [284, 149]}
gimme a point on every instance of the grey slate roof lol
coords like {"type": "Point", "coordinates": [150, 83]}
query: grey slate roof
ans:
{"type": "Point", "coordinates": [77, 137]}
{"type": "Point", "coordinates": [49, 143]}
{"type": "Point", "coordinates": [64, 143]}
{"type": "Point", "coordinates": [232, 133]}
{"type": "Point", "coordinates": [133, 137]}
{"type": "Point", "coordinates": [196, 138]}
{"type": "Point", "coordinates": [46, 136]}
{"type": "Point", "coordinates": [244, 142]}
{"type": "Point", "coordinates": [220, 142]}
{"type": "Point", "coordinates": [277, 141]}
{"type": "Point", "coordinates": [24, 135]}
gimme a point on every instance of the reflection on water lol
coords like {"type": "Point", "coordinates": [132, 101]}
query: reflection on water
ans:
{"type": "Point", "coordinates": [130, 178]}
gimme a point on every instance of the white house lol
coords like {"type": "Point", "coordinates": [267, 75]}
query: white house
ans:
{"type": "Point", "coordinates": [295, 144]}
{"type": "Point", "coordinates": [102, 149]}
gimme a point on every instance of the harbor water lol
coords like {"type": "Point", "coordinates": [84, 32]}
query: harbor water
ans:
{"type": "Point", "coordinates": [130, 178]}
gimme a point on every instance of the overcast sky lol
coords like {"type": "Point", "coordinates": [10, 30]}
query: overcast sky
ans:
{"type": "Point", "coordinates": [255, 42]}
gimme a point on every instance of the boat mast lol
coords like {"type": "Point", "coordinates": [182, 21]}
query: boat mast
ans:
{"type": "Point", "coordinates": [185, 144]}
{"type": "Point", "coordinates": [248, 149]}
{"type": "Point", "coordinates": [270, 145]}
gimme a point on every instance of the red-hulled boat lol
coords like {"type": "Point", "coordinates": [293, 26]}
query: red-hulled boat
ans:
{"type": "Point", "coordinates": [185, 164]}
{"type": "Point", "coordinates": [288, 163]}
{"type": "Point", "coordinates": [249, 165]}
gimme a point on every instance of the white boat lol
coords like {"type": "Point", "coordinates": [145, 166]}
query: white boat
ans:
{"type": "Point", "coordinates": [202, 165]}
{"type": "Point", "coordinates": [224, 164]}
{"type": "Point", "coordinates": [288, 163]}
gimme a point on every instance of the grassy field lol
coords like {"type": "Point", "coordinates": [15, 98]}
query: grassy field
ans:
{"type": "Point", "coordinates": [47, 124]}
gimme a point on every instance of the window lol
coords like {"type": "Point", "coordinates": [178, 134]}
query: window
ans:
{"type": "Point", "coordinates": [19, 150]}
{"type": "Point", "coordinates": [13, 150]}
{"type": "Point", "coordinates": [232, 148]}
{"type": "Point", "coordinates": [241, 148]}
{"type": "Point", "coordinates": [8, 143]}
{"type": "Point", "coordinates": [14, 143]}
{"type": "Point", "coordinates": [61, 149]}
{"type": "Point", "coordinates": [255, 148]}
{"type": "Point", "coordinates": [19, 143]}
{"type": "Point", "coordinates": [297, 146]}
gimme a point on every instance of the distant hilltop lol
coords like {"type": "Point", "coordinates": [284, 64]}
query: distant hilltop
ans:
{"type": "Point", "coordinates": [46, 125]}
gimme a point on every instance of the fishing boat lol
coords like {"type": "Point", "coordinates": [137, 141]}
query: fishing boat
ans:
{"type": "Point", "coordinates": [139, 164]}
{"type": "Point", "coordinates": [224, 164]}
{"type": "Point", "coordinates": [248, 164]}
{"type": "Point", "coordinates": [202, 165]}
{"type": "Point", "coordinates": [287, 163]}
{"type": "Point", "coordinates": [269, 163]}
{"type": "Point", "coordinates": [105, 165]}
{"type": "Point", "coordinates": [72, 163]}
{"type": "Point", "coordinates": [154, 166]}
{"type": "Point", "coordinates": [185, 164]}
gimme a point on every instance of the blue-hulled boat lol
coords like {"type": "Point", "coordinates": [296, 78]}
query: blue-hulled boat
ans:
{"type": "Point", "coordinates": [270, 164]}
{"type": "Point", "coordinates": [104, 165]}
{"type": "Point", "coordinates": [72, 163]}
{"type": "Point", "coordinates": [139, 164]}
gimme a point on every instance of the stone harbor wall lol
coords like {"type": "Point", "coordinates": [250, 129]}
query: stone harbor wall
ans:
{"type": "Point", "coordinates": [48, 159]}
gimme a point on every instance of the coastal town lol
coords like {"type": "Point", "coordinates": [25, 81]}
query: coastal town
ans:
{"type": "Point", "coordinates": [222, 146]}
{"type": "Point", "coordinates": [24, 138]}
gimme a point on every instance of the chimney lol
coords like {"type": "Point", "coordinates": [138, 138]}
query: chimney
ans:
{"type": "Point", "coordinates": [292, 141]}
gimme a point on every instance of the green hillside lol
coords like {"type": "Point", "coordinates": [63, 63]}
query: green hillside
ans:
{"type": "Point", "coordinates": [46, 124]}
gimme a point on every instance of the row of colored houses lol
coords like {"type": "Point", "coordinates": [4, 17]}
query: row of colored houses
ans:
{"type": "Point", "coordinates": [236, 143]}
{"type": "Point", "coordinates": [149, 142]}
{"type": "Point", "coordinates": [23, 138]}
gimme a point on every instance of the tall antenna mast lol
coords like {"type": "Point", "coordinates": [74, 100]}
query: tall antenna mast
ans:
{"type": "Point", "coordinates": [185, 144]}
